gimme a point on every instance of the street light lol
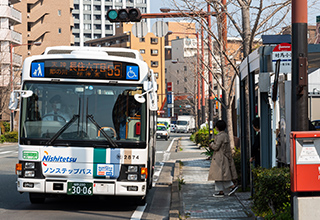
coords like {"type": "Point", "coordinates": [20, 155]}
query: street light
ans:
{"type": "Point", "coordinates": [12, 75]}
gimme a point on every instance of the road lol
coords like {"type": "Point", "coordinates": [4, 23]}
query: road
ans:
{"type": "Point", "coordinates": [14, 205]}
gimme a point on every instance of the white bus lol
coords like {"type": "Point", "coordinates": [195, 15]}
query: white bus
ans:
{"type": "Point", "coordinates": [87, 123]}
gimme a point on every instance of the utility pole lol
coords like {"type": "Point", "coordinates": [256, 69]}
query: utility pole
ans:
{"type": "Point", "coordinates": [299, 92]}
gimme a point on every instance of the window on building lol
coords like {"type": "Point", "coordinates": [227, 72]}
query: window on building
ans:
{"type": "Point", "coordinates": [97, 17]}
{"type": "Point", "coordinates": [177, 37]}
{"type": "Point", "coordinates": [76, 26]}
{"type": "Point", "coordinates": [154, 40]}
{"type": "Point", "coordinates": [177, 82]}
{"type": "Point", "coordinates": [87, 26]}
{"type": "Point", "coordinates": [154, 52]}
{"type": "Point", "coordinates": [165, 70]}
{"type": "Point", "coordinates": [59, 30]}
{"type": "Point", "coordinates": [87, 7]}
{"type": "Point", "coordinates": [97, 8]}
{"type": "Point", "coordinates": [178, 71]}
{"type": "Point", "coordinates": [154, 63]}
{"type": "Point", "coordinates": [185, 79]}
{"type": "Point", "coordinates": [108, 27]}
{"type": "Point", "coordinates": [97, 26]}
{"type": "Point", "coordinates": [142, 39]}
{"type": "Point", "coordinates": [142, 51]}
{"type": "Point", "coordinates": [29, 8]}
{"type": "Point", "coordinates": [185, 68]}
{"type": "Point", "coordinates": [96, 36]}
{"type": "Point", "coordinates": [76, 35]}
{"type": "Point", "coordinates": [76, 6]}
{"type": "Point", "coordinates": [87, 17]}
{"type": "Point", "coordinates": [87, 36]}
{"type": "Point", "coordinates": [185, 90]}
{"type": "Point", "coordinates": [59, 12]}
{"type": "Point", "coordinates": [75, 16]}
{"type": "Point", "coordinates": [107, 8]}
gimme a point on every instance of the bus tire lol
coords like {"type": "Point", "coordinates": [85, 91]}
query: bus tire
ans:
{"type": "Point", "coordinates": [37, 198]}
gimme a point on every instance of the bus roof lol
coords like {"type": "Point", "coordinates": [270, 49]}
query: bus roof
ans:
{"type": "Point", "coordinates": [112, 51]}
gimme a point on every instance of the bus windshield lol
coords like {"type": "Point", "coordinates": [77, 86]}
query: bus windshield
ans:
{"type": "Point", "coordinates": [96, 110]}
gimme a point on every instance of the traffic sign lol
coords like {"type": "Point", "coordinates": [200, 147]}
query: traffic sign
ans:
{"type": "Point", "coordinates": [160, 29]}
{"type": "Point", "coordinates": [139, 29]}
{"type": "Point", "coordinates": [283, 52]}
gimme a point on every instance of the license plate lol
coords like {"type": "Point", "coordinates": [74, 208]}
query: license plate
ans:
{"type": "Point", "coordinates": [158, 136]}
{"type": "Point", "coordinates": [77, 188]}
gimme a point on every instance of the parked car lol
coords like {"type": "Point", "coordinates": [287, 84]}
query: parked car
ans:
{"type": "Point", "coordinates": [173, 128]}
{"type": "Point", "coordinates": [162, 132]}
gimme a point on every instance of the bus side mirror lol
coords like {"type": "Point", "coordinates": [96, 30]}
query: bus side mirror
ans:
{"type": "Point", "coordinates": [13, 103]}
{"type": "Point", "coordinates": [15, 95]}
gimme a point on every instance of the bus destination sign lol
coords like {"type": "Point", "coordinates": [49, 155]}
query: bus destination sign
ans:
{"type": "Point", "coordinates": [85, 69]}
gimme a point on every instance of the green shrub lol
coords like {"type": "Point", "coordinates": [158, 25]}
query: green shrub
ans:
{"type": "Point", "coordinates": [271, 198]}
{"type": "Point", "coordinates": [9, 137]}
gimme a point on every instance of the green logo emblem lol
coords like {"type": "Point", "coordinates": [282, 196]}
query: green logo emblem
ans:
{"type": "Point", "coordinates": [30, 155]}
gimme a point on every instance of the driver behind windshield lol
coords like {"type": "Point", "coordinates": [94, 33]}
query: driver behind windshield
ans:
{"type": "Point", "coordinates": [56, 114]}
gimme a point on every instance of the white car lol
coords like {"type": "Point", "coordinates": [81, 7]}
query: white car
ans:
{"type": "Point", "coordinates": [173, 128]}
{"type": "Point", "coordinates": [162, 132]}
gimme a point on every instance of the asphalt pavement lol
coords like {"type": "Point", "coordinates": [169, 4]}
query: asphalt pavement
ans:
{"type": "Point", "coordinates": [192, 193]}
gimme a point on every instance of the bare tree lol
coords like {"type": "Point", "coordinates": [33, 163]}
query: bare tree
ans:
{"type": "Point", "coordinates": [247, 19]}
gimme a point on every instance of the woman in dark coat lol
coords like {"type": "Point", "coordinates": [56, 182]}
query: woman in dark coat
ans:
{"type": "Point", "coordinates": [222, 169]}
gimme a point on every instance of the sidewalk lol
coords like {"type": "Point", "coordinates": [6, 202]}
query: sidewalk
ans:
{"type": "Point", "coordinates": [195, 200]}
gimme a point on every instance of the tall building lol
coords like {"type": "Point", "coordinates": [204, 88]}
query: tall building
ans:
{"type": "Point", "coordinates": [47, 22]}
{"type": "Point", "coordinates": [150, 47]}
{"type": "Point", "coordinates": [90, 20]}
{"type": "Point", "coordinates": [9, 18]}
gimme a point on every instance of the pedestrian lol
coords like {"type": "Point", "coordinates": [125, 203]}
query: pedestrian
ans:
{"type": "Point", "coordinates": [255, 148]}
{"type": "Point", "coordinates": [222, 169]}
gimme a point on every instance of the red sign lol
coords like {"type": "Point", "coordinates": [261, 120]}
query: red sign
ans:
{"type": "Point", "coordinates": [169, 86]}
{"type": "Point", "coordinates": [282, 47]}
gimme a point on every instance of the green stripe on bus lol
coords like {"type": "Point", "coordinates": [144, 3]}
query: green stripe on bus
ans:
{"type": "Point", "coordinates": [99, 156]}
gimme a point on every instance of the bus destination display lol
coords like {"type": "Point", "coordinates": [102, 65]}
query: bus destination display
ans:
{"type": "Point", "coordinates": [85, 69]}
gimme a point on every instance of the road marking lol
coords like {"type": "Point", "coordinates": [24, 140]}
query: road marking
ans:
{"type": "Point", "coordinates": [6, 152]}
{"type": "Point", "coordinates": [138, 213]}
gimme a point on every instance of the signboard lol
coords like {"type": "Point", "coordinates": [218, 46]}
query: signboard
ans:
{"type": "Point", "coordinates": [169, 98]}
{"type": "Point", "coordinates": [85, 69]}
{"type": "Point", "coordinates": [283, 52]}
{"type": "Point", "coordinates": [169, 86]}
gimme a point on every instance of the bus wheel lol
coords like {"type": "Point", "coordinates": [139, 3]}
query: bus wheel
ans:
{"type": "Point", "coordinates": [36, 198]}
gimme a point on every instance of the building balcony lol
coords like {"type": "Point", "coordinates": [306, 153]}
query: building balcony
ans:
{"type": "Point", "coordinates": [11, 13]}
{"type": "Point", "coordinates": [16, 59]}
{"type": "Point", "coordinates": [11, 36]}
{"type": "Point", "coordinates": [14, 1]}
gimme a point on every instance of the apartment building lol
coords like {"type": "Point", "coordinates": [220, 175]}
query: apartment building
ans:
{"type": "Point", "coordinates": [150, 47]}
{"type": "Point", "coordinates": [90, 21]}
{"type": "Point", "coordinates": [43, 21]}
{"type": "Point", "coordinates": [9, 17]}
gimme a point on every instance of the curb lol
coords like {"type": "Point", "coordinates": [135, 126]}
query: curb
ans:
{"type": "Point", "coordinates": [175, 205]}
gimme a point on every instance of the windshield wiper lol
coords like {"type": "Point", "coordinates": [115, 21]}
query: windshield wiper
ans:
{"type": "Point", "coordinates": [112, 142]}
{"type": "Point", "coordinates": [65, 127]}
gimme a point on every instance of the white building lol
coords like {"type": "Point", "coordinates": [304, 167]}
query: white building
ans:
{"type": "Point", "coordinates": [90, 20]}
{"type": "Point", "coordinates": [8, 18]}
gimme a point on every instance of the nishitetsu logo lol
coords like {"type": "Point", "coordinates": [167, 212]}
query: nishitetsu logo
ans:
{"type": "Point", "coordinates": [50, 158]}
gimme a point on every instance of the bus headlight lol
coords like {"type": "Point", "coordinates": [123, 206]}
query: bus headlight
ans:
{"type": "Point", "coordinates": [132, 177]}
{"type": "Point", "coordinates": [29, 165]}
{"type": "Point", "coordinates": [29, 173]}
{"type": "Point", "coordinates": [132, 169]}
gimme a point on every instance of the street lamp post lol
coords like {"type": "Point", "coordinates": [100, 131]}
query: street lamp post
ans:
{"type": "Point", "coordinates": [12, 75]}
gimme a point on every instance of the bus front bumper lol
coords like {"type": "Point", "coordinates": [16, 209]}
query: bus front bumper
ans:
{"type": "Point", "coordinates": [100, 187]}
